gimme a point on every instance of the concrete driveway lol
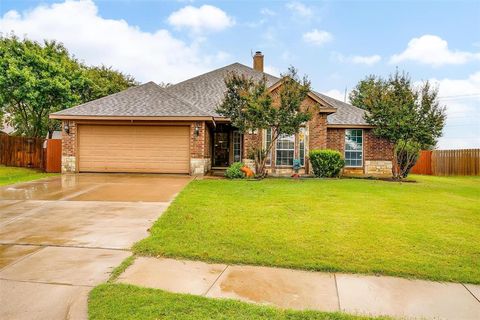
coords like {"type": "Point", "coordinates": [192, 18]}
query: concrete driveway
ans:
{"type": "Point", "coordinates": [61, 236]}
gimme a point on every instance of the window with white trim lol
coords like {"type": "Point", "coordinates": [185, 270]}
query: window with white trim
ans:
{"type": "Point", "coordinates": [237, 146]}
{"type": "Point", "coordinates": [353, 147]}
{"type": "Point", "coordinates": [285, 150]}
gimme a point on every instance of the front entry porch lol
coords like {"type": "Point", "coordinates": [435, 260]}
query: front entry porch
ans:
{"type": "Point", "coordinates": [227, 143]}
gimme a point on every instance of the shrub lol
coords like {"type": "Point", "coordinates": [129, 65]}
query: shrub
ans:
{"type": "Point", "coordinates": [326, 163]}
{"type": "Point", "coordinates": [234, 172]}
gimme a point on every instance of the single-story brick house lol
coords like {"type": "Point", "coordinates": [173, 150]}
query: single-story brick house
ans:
{"type": "Point", "coordinates": [148, 128]}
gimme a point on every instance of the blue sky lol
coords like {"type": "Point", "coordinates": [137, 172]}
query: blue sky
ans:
{"type": "Point", "coordinates": [335, 43]}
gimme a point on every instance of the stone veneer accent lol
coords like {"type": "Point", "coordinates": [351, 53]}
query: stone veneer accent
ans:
{"type": "Point", "coordinates": [68, 164]}
{"type": "Point", "coordinates": [199, 166]}
{"type": "Point", "coordinates": [69, 147]}
{"type": "Point", "coordinates": [378, 168]}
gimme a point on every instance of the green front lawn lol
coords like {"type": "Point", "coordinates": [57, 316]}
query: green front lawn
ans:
{"type": "Point", "coordinates": [9, 175]}
{"type": "Point", "coordinates": [118, 301]}
{"type": "Point", "coordinates": [429, 229]}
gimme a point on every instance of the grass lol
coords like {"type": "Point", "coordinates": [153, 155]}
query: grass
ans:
{"type": "Point", "coordinates": [10, 175]}
{"type": "Point", "coordinates": [119, 301]}
{"type": "Point", "coordinates": [429, 229]}
{"type": "Point", "coordinates": [121, 268]}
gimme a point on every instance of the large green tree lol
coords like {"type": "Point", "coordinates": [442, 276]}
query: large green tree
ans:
{"type": "Point", "coordinates": [409, 116]}
{"type": "Point", "coordinates": [103, 81]}
{"type": "Point", "coordinates": [252, 107]}
{"type": "Point", "coordinates": [37, 79]}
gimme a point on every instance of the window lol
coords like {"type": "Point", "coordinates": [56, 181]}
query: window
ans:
{"type": "Point", "coordinates": [301, 147]}
{"type": "Point", "coordinates": [237, 146]}
{"type": "Point", "coordinates": [285, 150]}
{"type": "Point", "coordinates": [353, 148]}
{"type": "Point", "coordinates": [268, 140]}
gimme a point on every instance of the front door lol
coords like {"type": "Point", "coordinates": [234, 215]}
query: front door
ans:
{"type": "Point", "coordinates": [221, 149]}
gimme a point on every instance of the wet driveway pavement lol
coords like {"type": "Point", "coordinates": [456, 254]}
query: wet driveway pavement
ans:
{"type": "Point", "coordinates": [61, 236]}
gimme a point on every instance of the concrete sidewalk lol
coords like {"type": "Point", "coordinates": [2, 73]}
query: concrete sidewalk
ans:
{"type": "Point", "coordinates": [296, 289]}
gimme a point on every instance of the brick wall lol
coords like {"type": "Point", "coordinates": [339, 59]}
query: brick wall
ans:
{"type": "Point", "coordinates": [197, 143]}
{"type": "Point", "coordinates": [336, 139]}
{"type": "Point", "coordinates": [376, 148]}
{"type": "Point", "coordinates": [377, 152]}
{"type": "Point", "coordinates": [69, 141]}
{"type": "Point", "coordinates": [318, 131]}
{"type": "Point", "coordinates": [69, 147]}
{"type": "Point", "coordinates": [250, 140]}
{"type": "Point", "coordinates": [208, 142]}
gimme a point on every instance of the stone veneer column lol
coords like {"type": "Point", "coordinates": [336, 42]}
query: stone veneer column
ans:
{"type": "Point", "coordinates": [69, 147]}
{"type": "Point", "coordinates": [199, 162]}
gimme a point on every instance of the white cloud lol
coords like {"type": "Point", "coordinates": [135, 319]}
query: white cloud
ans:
{"type": "Point", "coordinates": [268, 12]}
{"type": "Point", "coordinates": [317, 37]}
{"type": "Point", "coordinates": [274, 71]}
{"type": "Point", "coordinates": [366, 60]}
{"type": "Point", "coordinates": [336, 94]}
{"type": "Point", "coordinates": [462, 100]}
{"type": "Point", "coordinates": [147, 56]}
{"type": "Point", "coordinates": [201, 19]}
{"type": "Point", "coordinates": [300, 9]}
{"type": "Point", "coordinates": [433, 50]}
{"type": "Point", "coordinates": [461, 96]}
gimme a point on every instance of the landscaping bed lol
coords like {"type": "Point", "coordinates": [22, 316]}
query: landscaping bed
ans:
{"type": "Point", "coordinates": [429, 229]}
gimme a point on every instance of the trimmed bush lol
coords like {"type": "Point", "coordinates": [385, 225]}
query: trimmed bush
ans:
{"type": "Point", "coordinates": [234, 171]}
{"type": "Point", "coordinates": [326, 163]}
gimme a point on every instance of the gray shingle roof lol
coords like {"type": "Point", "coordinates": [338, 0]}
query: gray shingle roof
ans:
{"type": "Point", "coordinates": [198, 96]}
{"type": "Point", "coordinates": [345, 114]}
{"type": "Point", "coordinates": [206, 92]}
{"type": "Point", "coordinates": [146, 100]}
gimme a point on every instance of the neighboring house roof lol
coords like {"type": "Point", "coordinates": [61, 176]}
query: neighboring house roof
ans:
{"type": "Point", "coordinates": [195, 97]}
{"type": "Point", "coordinates": [55, 135]}
{"type": "Point", "coordinates": [7, 129]}
{"type": "Point", "coordinates": [146, 100]}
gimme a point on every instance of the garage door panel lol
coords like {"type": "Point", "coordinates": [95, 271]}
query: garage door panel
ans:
{"type": "Point", "coordinates": [163, 149]}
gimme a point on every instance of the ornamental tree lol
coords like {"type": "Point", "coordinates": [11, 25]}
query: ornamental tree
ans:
{"type": "Point", "coordinates": [407, 115]}
{"type": "Point", "coordinates": [251, 107]}
{"type": "Point", "coordinates": [37, 79]}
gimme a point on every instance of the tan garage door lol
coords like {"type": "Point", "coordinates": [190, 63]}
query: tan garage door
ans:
{"type": "Point", "coordinates": [159, 149]}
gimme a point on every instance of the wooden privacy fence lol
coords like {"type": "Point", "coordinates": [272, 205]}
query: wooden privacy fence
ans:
{"type": "Point", "coordinates": [21, 151]}
{"type": "Point", "coordinates": [31, 152]}
{"type": "Point", "coordinates": [54, 155]}
{"type": "Point", "coordinates": [464, 162]}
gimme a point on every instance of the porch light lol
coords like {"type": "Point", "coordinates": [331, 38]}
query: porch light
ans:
{"type": "Point", "coordinates": [66, 128]}
{"type": "Point", "coordinates": [197, 129]}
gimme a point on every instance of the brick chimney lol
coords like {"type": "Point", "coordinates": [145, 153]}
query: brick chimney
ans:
{"type": "Point", "coordinates": [258, 61]}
